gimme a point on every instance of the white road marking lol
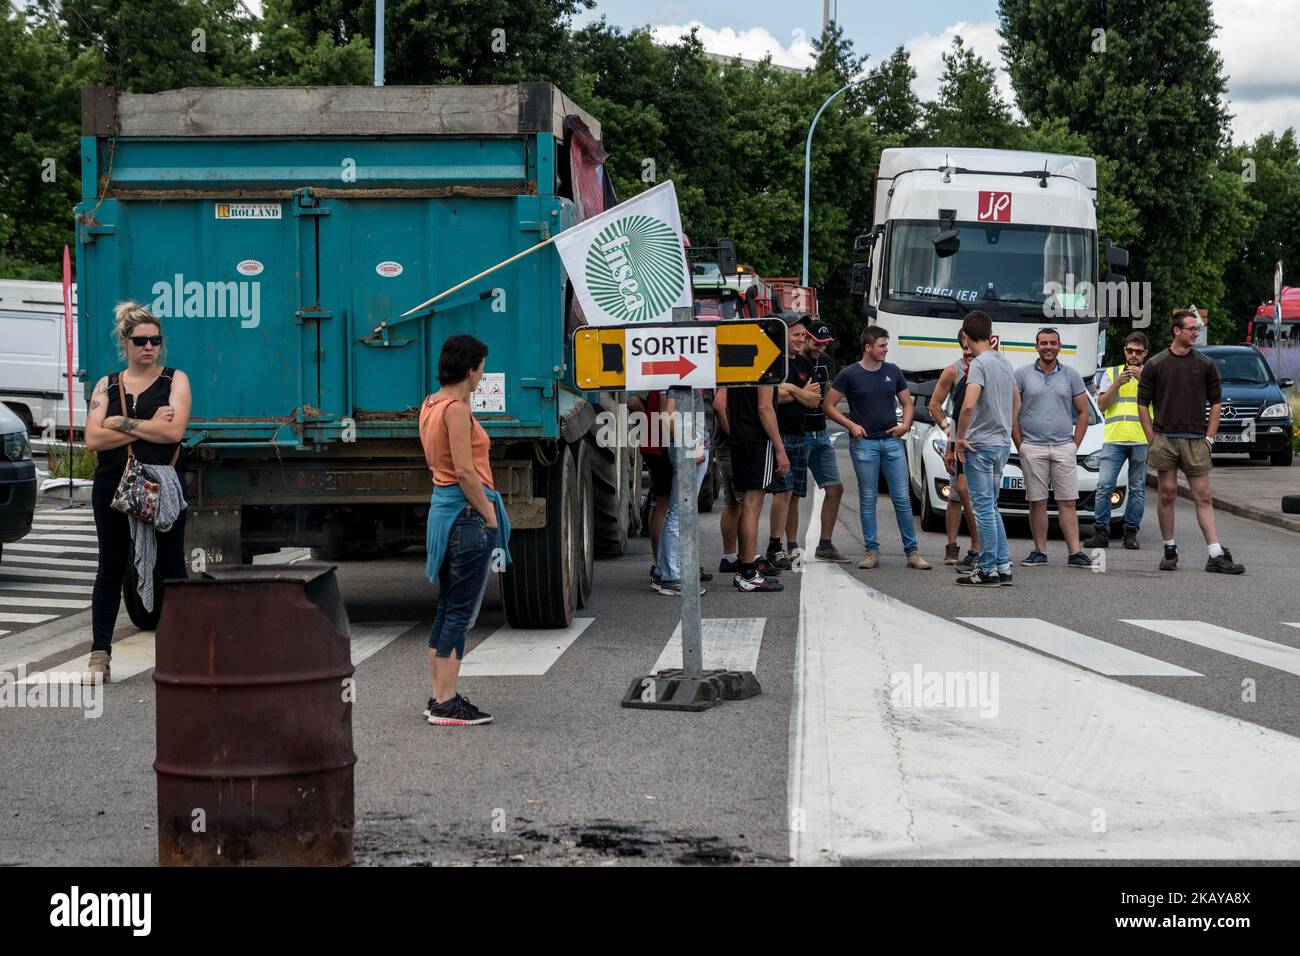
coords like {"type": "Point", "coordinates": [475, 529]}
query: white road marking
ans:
{"type": "Point", "coordinates": [31, 600]}
{"type": "Point", "coordinates": [44, 559]}
{"type": "Point", "coordinates": [64, 516]}
{"type": "Point", "coordinates": [1270, 654]}
{"type": "Point", "coordinates": [530, 653]}
{"type": "Point", "coordinates": [10, 573]}
{"type": "Point", "coordinates": [64, 538]}
{"type": "Point", "coordinates": [14, 617]}
{"type": "Point", "coordinates": [730, 643]}
{"type": "Point", "coordinates": [20, 651]}
{"type": "Point", "coordinates": [1089, 652]}
{"type": "Point", "coordinates": [131, 656]}
{"type": "Point", "coordinates": [369, 639]}
{"type": "Point", "coordinates": [1074, 765]}
{"type": "Point", "coordinates": [41, 547]}
{"type": "Point", "coordinates": [63, 527]}
{"type": "Point", "coordinates": [45, 588]}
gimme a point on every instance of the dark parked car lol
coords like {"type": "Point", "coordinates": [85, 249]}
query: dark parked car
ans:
{"type": "Point", "coordinates": [1256, 417]}
{"type": "Point", "coordinates": [17, 479]}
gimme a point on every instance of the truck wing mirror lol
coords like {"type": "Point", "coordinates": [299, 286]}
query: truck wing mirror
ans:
{"type": "Point", "coordinates": [727, 256]}
{"type": "Point", "coordinates": [1116, 258]}
{"type": "Point", "coordinates": [861, 279]}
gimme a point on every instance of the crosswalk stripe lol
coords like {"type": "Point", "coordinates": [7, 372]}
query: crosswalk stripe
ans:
{"type": "Point", "coordinates": [67, 527]}
{"type": "Point", "coordinates": [35, 600]}
{"type": "Point", "coordinates": [10, 573]}
{"type": "Point", "coordinates": [45, 517]}
{"type": "Point", "coordinates": [131, 656]}
{"type": "Point", "coordinates": [76, 514]}
{"type": "Point", "coordinates": [1278, 656]}
{"type": "Point", "coordinates": [730, 643]}
{"type": "Point", "coordinates": [1100, 656]}
{"type": "Point", "coordinates": [37, 559]}
{"type": "Point", "coordinates": [50, 548]}
{"type": "Point", "coordinates": [19, 652]}
{"type": "Point", "coordinates": [26, 586]}
{"type": "Point", "coordinates": [61, 538]}
{"type": "Point", "coordinates": [14, 617]}
{"type": "Point", "coordinates": [511, 653]}
{"type": "Point", "coordinates": [370, 639]}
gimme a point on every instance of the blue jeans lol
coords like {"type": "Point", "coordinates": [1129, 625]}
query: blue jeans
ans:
{"type": "Point", "coordinates": [984, 479]}
{"type": "Point", "coordinates": [1112, 459]}
{"type": "Point", "coordinates": [870, 457]}
{"type": "Point", "coordinates": [462, 581]}
{"type": "Point", "coordinates": [669, 564]}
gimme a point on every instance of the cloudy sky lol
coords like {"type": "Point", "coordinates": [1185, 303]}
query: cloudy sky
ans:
{"type": "Point", "coordinates": [1263, 85]}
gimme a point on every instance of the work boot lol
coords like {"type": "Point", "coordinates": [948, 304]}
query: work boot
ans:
{"type": "Point", "coordinates": [99, 671]}
{"type": "Point", "coordinates": [1170, 561]}
{"type": "Point", "coordinates": [831, 553]}
{"type": "Point", "coordinates": [916, 562]}
{"type": "Point", "coordinates": [1224, 564]}
{"type": "Point", "coordinates": [1131, 539]}
{"type": "Point", "coordinates": [870, 561]}
{"type": "Point", "coordinates": [951, 553]}
{"type": "Point", "coordinates": [1100, 537]}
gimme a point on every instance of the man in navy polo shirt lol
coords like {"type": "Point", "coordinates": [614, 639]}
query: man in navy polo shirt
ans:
{"type": "Point", "coordinates": [874, 389]}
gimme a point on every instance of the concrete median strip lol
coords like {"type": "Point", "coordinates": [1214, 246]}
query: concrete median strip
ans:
{"type": "Point", "coordinates": [1065, 764]}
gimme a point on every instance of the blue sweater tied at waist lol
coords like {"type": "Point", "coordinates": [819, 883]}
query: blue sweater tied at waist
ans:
{"type": "Point", "coordinates": [445, 506]}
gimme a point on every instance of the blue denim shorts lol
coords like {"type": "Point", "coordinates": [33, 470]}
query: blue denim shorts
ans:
{"type": "Point", "coordinates": [462, 582]}
{"type": "Point", "coordinates": [821, 459]}
{"type": "Point", "coordinates": [796, 479]}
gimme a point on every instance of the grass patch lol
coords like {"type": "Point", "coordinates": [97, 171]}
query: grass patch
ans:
{"type": "Point", "coordinates": [83, 461]}
{"type": "Point", "coordinates": [1295, 427]}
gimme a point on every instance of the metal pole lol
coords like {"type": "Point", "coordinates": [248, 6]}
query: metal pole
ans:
{"type": "Point", "coordinates": [807, 173]}
{"type": "Point", "coordinates": [688, 524]}
{"type": "Point", "coordinates": [379, 42]}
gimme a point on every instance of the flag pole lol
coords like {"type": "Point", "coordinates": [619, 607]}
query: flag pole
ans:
{"type": "Point", "coordinates": [472, 279]}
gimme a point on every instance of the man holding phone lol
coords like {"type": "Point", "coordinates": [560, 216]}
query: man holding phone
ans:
{"type": "Point", "coordinates": [1124, 441]}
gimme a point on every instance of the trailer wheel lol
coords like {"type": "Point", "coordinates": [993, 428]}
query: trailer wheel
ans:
{"type": "Point", "coordinates": [540, 589]}
{"type": "Point", "coordinates": [586, 536]}
{"type": "Point", "coordinates": [609, 500]}
{"type": "Point", "coordinates": [145, 620]}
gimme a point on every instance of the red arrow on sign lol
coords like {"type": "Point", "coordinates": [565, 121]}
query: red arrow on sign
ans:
{"type": "Point", "coordinates": [680, 366]}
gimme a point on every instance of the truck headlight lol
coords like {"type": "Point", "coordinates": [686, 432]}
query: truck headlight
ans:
{"type": "Point", "coordinates": [16, 446]}
{"type": "Point", "coordinates": [1279, 410]}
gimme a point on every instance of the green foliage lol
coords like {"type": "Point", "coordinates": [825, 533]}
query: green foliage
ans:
{"type": "Point", "coordinates": [83, 461]}
{"type": "Point", "coordinates": [970, 110]}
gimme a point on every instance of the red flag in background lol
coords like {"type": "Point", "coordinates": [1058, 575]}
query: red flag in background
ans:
{"type": "Point", "coordinates": [586, 166]}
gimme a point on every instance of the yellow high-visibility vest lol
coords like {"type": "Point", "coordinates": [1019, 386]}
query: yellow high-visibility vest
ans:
{"type": "Point", "coordinates": [1122, 421]}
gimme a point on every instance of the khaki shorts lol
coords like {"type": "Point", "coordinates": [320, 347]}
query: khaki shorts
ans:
{"type": "Point", "coordinates": [1192, 455]}
{"type": "Point", "coordinates": [1054, 464]}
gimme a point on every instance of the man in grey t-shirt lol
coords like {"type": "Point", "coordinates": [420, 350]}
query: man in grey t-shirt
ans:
{"type": "Point", "coordinates": [1048, 431]}
{"type": "Point", "coordinates": [983, 443]}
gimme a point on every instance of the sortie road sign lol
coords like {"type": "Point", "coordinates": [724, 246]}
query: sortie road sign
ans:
{"type": "Point", "coordinates": [703, 354]}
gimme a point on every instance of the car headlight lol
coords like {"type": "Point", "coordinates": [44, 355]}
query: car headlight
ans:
{"type": "Point", "coordinates": [939, 444]}
{"type": "Point", "coordinates": [17, 447]}
{"type": "Point", "coordinates": [1092, 462]}
{"type": "Point", "coordinates": [1280, 410]}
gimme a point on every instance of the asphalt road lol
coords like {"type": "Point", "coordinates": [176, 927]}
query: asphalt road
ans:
{"type": "Point", "coordinates": [826, 765]}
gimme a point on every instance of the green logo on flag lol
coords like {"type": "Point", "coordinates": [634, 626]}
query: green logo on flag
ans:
{"type": "Point", "coordinates": [634, 268]}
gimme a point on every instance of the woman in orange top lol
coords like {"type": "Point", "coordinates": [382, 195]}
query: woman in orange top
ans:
{"type": "Point", "coordinates": [467, 522]}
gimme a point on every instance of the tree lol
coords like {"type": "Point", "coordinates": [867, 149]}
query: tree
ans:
{"type": "Point", "coordinates": [894, 107]}
{"type": "Point", "coordinates": [1142, 83]}
{"type": "Point", "coordinates": [969, 111]}
{"type": "Point", "coordinates": [290, 53]}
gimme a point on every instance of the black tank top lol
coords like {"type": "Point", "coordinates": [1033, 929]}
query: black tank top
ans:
{"type": "Point", "coordinates": [143, 407]}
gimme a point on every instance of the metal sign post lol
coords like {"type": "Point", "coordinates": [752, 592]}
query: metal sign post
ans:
{"type": "Point", "coordinates": [689, 687]}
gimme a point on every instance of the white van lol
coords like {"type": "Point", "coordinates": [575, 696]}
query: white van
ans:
{"type": "Point", "coordinates": [33, 355]}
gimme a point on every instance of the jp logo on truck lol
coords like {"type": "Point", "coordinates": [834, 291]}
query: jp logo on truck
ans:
{"type": "Point", "coordinates": [994, 206]}
{"type": "Point", "coordinates": [634, 268]}
{"type": "Point", "coordinates": [208, 300]}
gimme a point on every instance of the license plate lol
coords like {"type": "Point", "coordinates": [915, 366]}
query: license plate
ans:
{"type": "Point", "coordinates": [1013, 484]}
{"type": "Point", "coordinates": [1228, 439]}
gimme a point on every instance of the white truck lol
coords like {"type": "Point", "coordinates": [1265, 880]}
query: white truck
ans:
{"type": "Point", "coordinates": [33, 355]}
{"type": "Point", "coordinates": [1013, 234]}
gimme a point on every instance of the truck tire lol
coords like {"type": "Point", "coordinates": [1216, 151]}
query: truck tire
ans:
{"type": "Point", "coordinates": [586, 537]}
{"type": "Point", "coordinates": [609, 501]}
{"type": "Point", "coordinates": [931, 520]}
{"type": "Point", "coordinates": [540, 589]}
{"type": "Point", "coordinates": [1291, 504]}
{"type": "Point", "coordinates": [145, 620]}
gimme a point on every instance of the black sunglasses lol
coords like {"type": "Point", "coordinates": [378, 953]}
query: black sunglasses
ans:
{"type": "Point", "coordinates": [142, 340]}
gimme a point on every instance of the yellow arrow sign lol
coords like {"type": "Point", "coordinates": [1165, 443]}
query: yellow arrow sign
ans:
{"type": "Point", "coordinates": [749, 352]}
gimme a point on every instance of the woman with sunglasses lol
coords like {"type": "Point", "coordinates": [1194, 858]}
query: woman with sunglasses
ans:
{"type": "Point", "coordinates": [151, 426]}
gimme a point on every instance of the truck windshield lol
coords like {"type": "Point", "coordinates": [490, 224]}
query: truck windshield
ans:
{"type": "Point", "coordinates": [995, 263]}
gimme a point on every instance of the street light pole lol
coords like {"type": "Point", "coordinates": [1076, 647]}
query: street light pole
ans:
{"type": "Point", "coordinates": [807, 172]}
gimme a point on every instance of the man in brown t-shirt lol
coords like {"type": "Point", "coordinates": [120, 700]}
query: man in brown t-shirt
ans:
{"type": "Point", "coordinates": [1180, 383]}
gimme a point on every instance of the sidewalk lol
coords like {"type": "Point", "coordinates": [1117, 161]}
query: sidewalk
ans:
{"type": "Point", "coordinates": [1251, 489]}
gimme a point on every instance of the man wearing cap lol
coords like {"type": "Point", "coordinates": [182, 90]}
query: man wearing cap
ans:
{"type": "Point", "coordinates": [821, 453]}
{"type": "Point", "coordinates": [794, 397]}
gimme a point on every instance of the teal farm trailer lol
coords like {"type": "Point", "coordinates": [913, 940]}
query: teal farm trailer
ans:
{"type": "Point", "coordinates": [280, 233]}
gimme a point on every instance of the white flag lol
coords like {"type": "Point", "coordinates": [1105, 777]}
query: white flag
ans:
{"type": "Point", "coordinates": [627, 265]}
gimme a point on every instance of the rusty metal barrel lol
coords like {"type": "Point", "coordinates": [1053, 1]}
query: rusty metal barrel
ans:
{"type": "Point", "coordinates": [254, 719]}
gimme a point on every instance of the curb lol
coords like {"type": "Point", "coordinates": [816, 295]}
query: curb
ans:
{"type": "Point", "coordinates": [1242, 511]}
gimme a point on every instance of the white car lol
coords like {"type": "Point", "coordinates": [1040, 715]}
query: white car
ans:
{"type": "Point", "coordinates": [931, 484]}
